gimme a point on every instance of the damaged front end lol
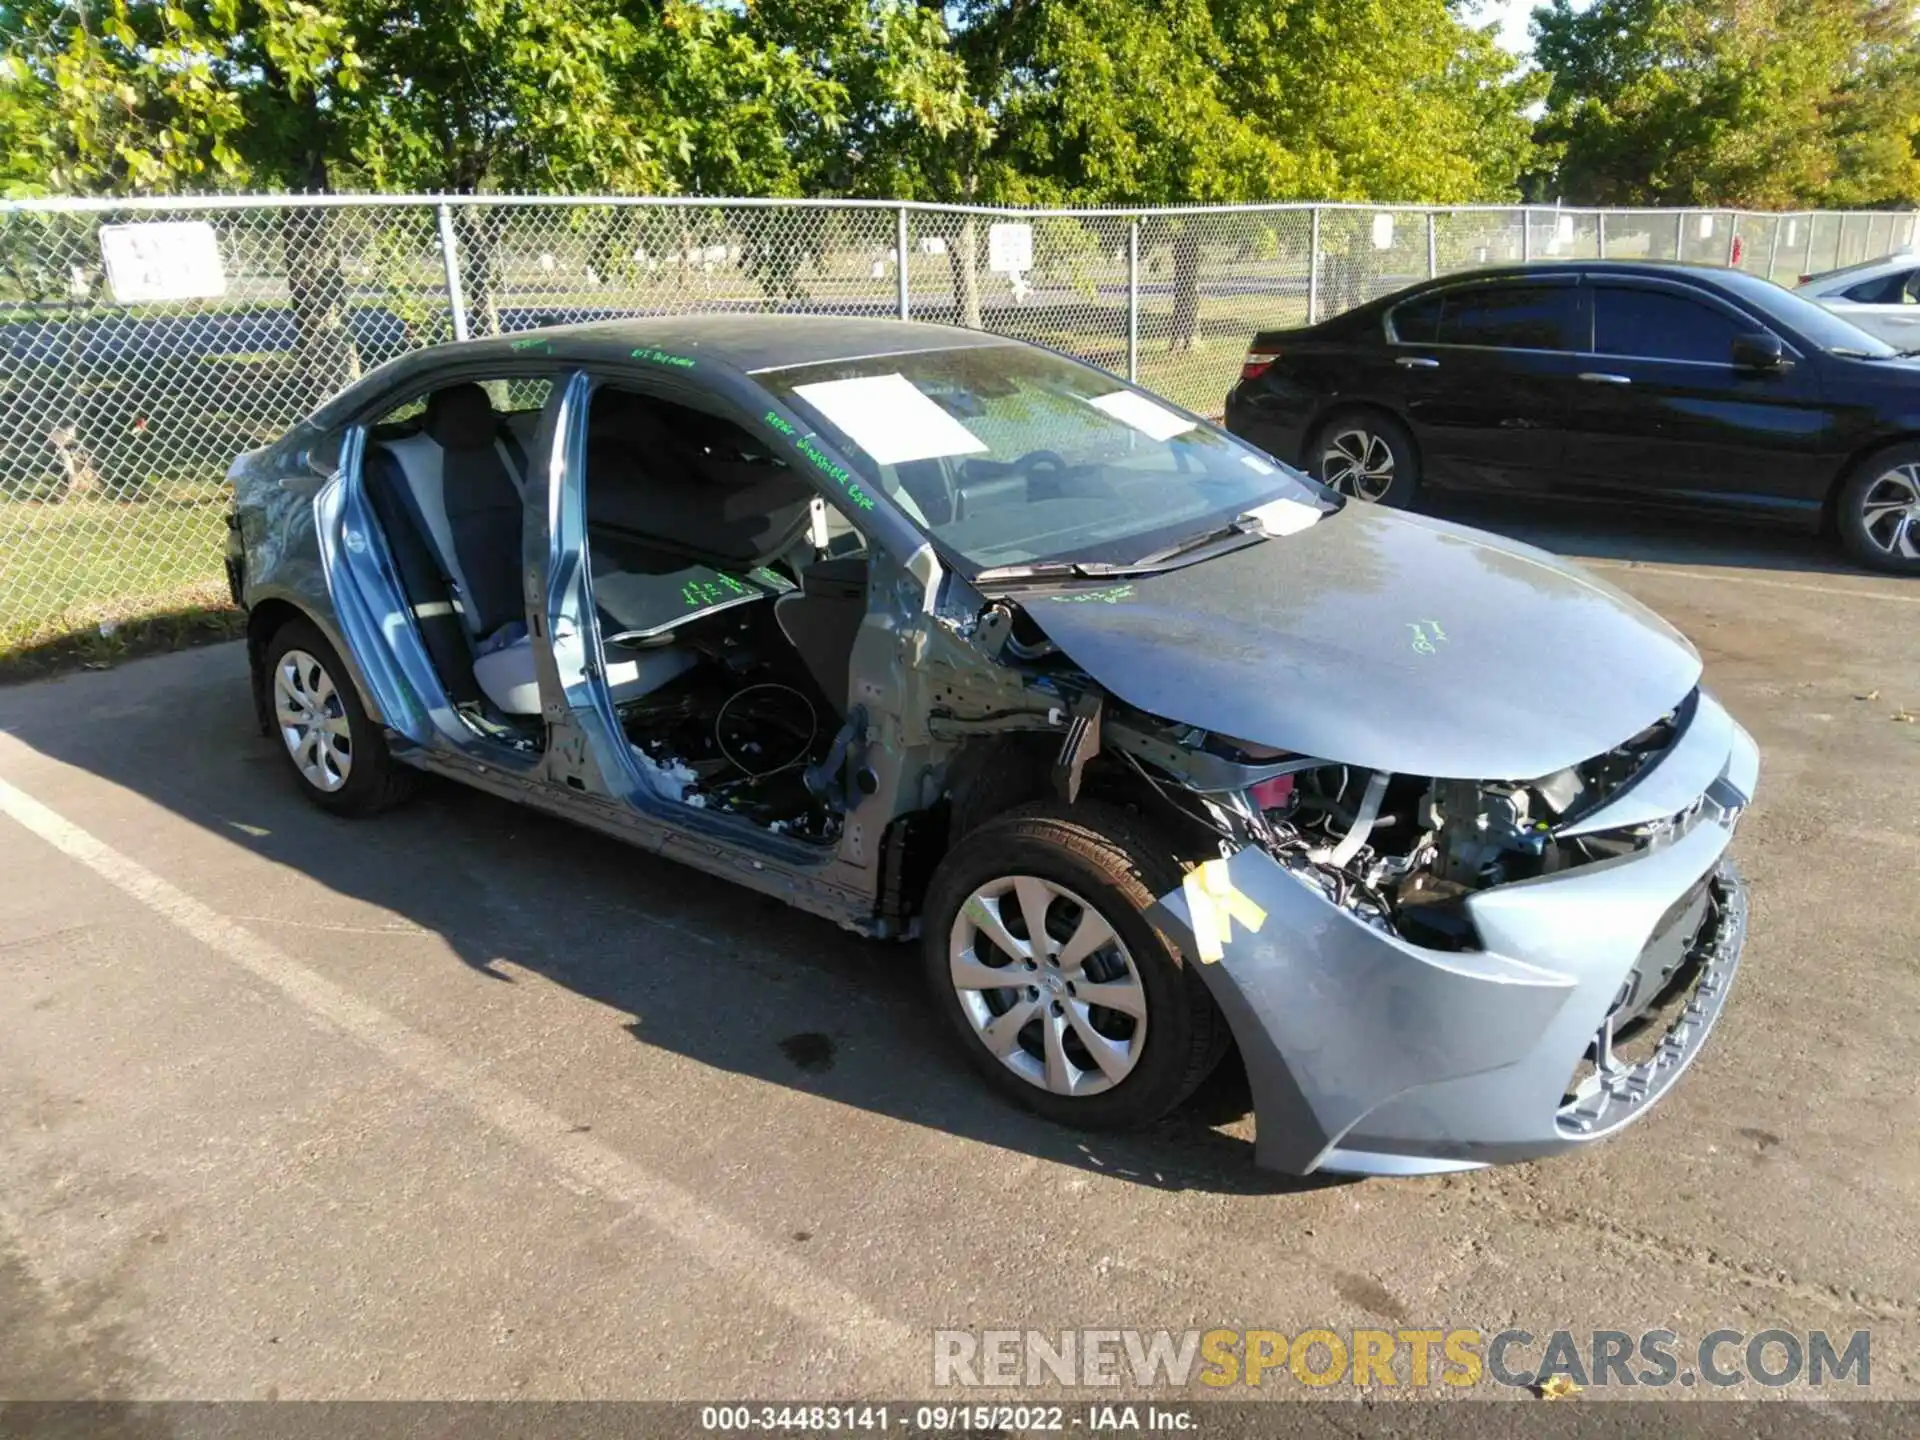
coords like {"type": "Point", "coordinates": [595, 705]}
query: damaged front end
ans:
{"type": "Point", "coordinates": [1447, 973]}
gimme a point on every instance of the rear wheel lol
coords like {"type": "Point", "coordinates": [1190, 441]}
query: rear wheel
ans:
{"type": "Point", "coordinates": [1367, 455]}
{"type": "Point", "coordinates": [1878, 511]}
{"type": "Point", "coordinates": [1064, 996]}
{"type": "Point", "coordinates": [337, 753]}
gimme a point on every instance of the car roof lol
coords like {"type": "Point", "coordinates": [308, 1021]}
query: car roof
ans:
{"type": "Point", "coordinates": [1647, 269]}
{"type": "Point", "coordinates": [746, 342]}
{"type": "Point", "coordinates": [1864, 270]}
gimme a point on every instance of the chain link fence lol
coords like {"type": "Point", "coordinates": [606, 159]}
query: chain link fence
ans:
{"type": "Point", "coordinates": [118, 420]}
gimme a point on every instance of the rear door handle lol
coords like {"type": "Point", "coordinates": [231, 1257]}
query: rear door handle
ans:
{"type": "Point", "coordinates": [1417, 362]}
{"type": "Point", "coordinates": [1601, 377]}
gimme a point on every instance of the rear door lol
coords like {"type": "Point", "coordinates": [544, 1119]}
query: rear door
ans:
{"type": "Point", "coordinates": [1888, 306]}
{"type": "Point", "coordinates": [1486, 374]}
{"type": "Point", "coordinates": [1664, 412]}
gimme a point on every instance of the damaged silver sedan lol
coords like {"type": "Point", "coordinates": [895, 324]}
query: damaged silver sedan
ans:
{"type": "Point", "coordinates": [1158, 749]}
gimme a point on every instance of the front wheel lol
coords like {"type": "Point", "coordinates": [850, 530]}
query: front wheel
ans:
{"type": "Point", "coordinates": [1064, 996]}
{"type": "Point", "coordinates": [1878, 511]}
{"type": "Point", "coordinates": [1368, 456]}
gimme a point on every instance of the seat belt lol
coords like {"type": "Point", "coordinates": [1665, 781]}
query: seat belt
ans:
{"type": "Point", "coordinates": [514, 457]}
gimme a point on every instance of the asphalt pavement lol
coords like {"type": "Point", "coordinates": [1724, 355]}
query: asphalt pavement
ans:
{"type": "Point", "coordinates": [466, 1103]}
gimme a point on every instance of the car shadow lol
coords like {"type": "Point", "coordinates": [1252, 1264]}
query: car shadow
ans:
{"type": "Point", "coordinates": [1597, 532]}
{"type": "Point", "coordinates": [728, 979]}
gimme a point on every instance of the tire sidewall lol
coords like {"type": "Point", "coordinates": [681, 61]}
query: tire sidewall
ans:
{"type": "Point", "coordinates": [1847, 518]}
{"type": "Point", "coordinates": [367, 781]}
{"type": "Point", "coordinates": [1406, 460]}
{"type": "Point", "coordinates": [1009, 847]}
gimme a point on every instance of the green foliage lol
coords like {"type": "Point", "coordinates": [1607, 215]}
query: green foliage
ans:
{"type": "Point", "coordinates": [1752, 103]}
{"type": "Point", "coordinates": [1100, 102]}
{"type": "Point", "coordinates": [1379, 99]}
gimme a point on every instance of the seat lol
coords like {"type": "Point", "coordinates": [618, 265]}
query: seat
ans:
{"type": "Point", "coordinates": [510, 680]}
{"type": "Point", "coordinates": [450, 500]}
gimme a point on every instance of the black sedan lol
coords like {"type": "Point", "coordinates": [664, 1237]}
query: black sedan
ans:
{"type": "Point", "coordinates": [1603, 380]}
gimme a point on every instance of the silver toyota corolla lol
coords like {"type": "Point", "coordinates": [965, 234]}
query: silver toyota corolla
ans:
{"type": "Point", "coordinates": [1158, 748]}
{"type": "Point", "coordinates": [1881, 296]}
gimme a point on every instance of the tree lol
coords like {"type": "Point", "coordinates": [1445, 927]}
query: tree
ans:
{"type": "Point", "coordinates": [1748, 103]}
{"type": "Point", "coordinates": [1380, 99]}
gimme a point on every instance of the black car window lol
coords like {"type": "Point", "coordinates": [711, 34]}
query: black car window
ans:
{"type": "Point", "coordinates": [1511, 317]}
{"type": "Point", "coordinates": [1418, 321]}
{"type": "Point", "coordinates": [1659, 325]}
{"type": "Point", "coordinates": [1895, 289]}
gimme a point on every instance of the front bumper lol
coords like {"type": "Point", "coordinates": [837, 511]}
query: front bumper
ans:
{"type": "Point", "coordinates": [1597, 988]}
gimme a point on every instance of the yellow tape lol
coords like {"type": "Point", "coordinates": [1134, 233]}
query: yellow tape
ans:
{"type": "Point", "coordinates": [1213, 905]}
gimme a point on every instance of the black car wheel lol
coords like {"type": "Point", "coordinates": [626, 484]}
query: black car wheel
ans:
{"type": "Point", "coordinates": [1368, 456]}
{"type": "Point", "coordinates": [338, 754]}
{"type": "Point", "coordinates": [1065, 997]}
{"type": "Point", "coordinates": [1878, 511]}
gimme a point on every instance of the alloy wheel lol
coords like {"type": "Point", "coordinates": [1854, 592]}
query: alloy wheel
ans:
{"type": "Point", "coordinates": [313, 721]}
{"type": "Point", "coordinates": [1890, 512]}
{"type": "Point", "coordinates": [1048, 985]}
{"type": "Point", "coordinates": [1357, 462]}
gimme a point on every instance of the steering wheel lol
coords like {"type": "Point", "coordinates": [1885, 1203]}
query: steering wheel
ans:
{"type": "Point", "coordinates": [1026, 463]}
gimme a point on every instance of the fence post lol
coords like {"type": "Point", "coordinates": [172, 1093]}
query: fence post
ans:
{"type": "Point", "coordinates": [1313, 269]}
{"type": "Point", "coordinates": [1773, 248]}
{"type": "Point", "coordinates": [1133, 301]}
{"type": "Point", "coordinates": [1806, 260]}
{"type": "Point", "coordinates": [1433, 247]}
{"type": "Point", "coordinates": [1526, 232]}
{"type": "Point", "coordinates": [900, 256]}
{"type": "Point", "coordinates": [450, 253]}
{"type": "Point", "coordinates": [1600, 236]}
{"type": "Point", "coordinates": [1680, 235]}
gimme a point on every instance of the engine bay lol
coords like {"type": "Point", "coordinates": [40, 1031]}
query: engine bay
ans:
{"type": "Point", "coordinates": [1402, 852]}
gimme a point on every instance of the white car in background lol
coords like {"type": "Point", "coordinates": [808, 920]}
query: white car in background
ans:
{"type": "Point", "coordinates": [1880, 296]}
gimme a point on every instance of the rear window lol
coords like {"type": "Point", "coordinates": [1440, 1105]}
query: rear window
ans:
{"type": "Point", "coordinates": [1659, 325]}
{"type": "Point", "coordinates": [1895, 289]}
{"type": "Point", "coordinates": [1418, 321]}
{"type": "Point", "coordinates": [1512, 317]}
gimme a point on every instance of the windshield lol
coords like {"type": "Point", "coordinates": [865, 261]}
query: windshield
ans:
{"type": "Point", "coordinates": [1008, 455]}
{"type": "Point", "coordinates": [1816, 324]}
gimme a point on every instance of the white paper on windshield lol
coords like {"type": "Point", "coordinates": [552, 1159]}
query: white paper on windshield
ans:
{"type": "Point", "coordinates": [1284, 517]}
{"type": "Point", "coordinates": [1156, 422]}
{"type": "Point", "coordinates": [889, 419]}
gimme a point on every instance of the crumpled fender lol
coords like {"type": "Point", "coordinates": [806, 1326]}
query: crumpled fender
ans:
{"type": "Point", "coordinates": [1333, 1017]}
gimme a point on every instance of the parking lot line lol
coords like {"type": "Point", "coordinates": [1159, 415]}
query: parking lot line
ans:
{"type": "Point", "coordinates": [1714, 577]}
{"type": "Point", "coordinates": [722, 1245]}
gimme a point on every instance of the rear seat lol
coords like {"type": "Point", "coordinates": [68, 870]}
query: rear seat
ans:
{"type": "Point", "coordinates": [461, 493]}
{"type": "Point", "coordinates": [451, 500]}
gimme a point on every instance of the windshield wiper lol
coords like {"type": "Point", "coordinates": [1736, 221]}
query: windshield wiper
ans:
{"type": "Point", "coordinates": [1055, 570]}
{"type": "Point", "coordinates": [1243, 525]}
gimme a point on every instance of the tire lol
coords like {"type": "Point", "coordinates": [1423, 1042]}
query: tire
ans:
{"type": "Point", "coordinates": [346, 769]}
{"type": "Point", "coordinates": [1366, 455]}
{"type": "Point", "coordinates": [1088, 863]}
{"type": "Point", "coordinates": [1877, 511]}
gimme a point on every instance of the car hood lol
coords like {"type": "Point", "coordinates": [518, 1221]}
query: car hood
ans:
{"type": "Point", "coordinates": [1384, 640]}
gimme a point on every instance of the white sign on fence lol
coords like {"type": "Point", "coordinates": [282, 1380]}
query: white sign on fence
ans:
{"type": "Point", "coordinates": [162, 260]}
{"type": "Point", "coordinates": [1010, 247]}
{"type": "Point", "coordinates": [1383, 232]}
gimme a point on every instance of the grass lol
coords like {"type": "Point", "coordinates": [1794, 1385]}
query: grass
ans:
{"type": "Point", "coordinates": [83, 576]}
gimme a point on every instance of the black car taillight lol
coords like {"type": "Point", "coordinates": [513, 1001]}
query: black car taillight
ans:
{"type": "Point", "coordinates": [1256, 363]}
